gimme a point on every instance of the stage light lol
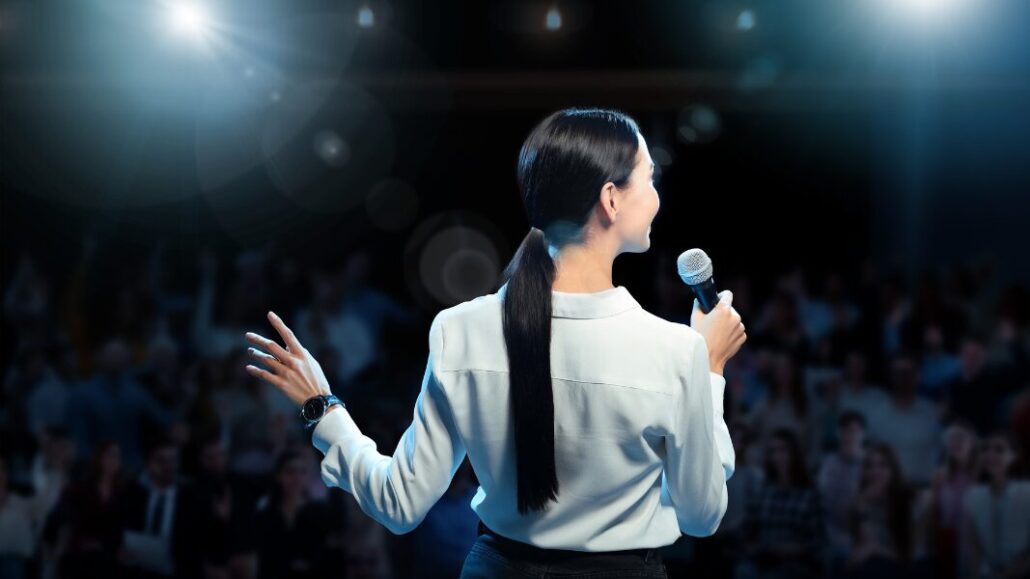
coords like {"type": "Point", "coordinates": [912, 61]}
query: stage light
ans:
{"type": "Point", "coordinates": [926, 7]}
{"type": "Point", "coordinates": [746, 20]}
{"type": "Point", "coordinates": [366, 18]}
{"type": "Point", "coordinates": [925, 11]}
{"type": "Point", "coordinates": [189, 19]}
{"type": "Point", "coordinates": [553, 19]}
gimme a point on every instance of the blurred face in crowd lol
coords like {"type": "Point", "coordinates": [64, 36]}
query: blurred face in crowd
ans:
{"type": "Point", "coordinates": [783, 373]}
{"type": "Point", "coordinates": [111, 459]}
{"type": "Point", "coordinates": [959, 442]}
{"type": "Point", "coordinates": [114, 357]}
{"type": "Point", "coordinates": [934, 339]}
{"type": "Point", "coordinates": [854, 368]}
{"type": "Point", "coordinates": [292, 477]}
{"type": "Point", "coordinates": [779, 456]}
{"type": "Point", "coordinates": [163, 465]}
{"type": "Point", "coordinates": [973, 356]}
{"type": "Point", "coordinates": [998, 457]}
{"type": "Point", "coordinates": [212, 458]}
{"type": "Point", "coordinates": [58, 450]}
{"type": "Point", "coordinates": [904, 376]}
{"type": "Point", "coordinates": [876, 472]}
{"type": "Point", "coordinates": [852, 437]}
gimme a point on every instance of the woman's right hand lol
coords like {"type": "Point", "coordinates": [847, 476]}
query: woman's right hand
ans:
{"type": "Point", "coordinates": [722, 329]}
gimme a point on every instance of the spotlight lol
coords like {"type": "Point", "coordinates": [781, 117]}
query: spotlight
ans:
{"type": "Point", "coordinates": [366, 18]}
{"type": "Point", "coordinates": [553, 19]}
{"type": "Point", "coordinates": [746, 20]}
{"type": "Point", "coordinates": [925, 11]}
{"type": "Point", "coordinates": [189, 19]}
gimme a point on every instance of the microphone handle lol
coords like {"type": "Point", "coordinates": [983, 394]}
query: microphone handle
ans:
{"type": "Point", "coordinates": [707, 295]}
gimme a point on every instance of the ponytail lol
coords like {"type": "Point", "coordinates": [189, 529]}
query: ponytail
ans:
{"type": "Point", "coordinates": [562, 166]}
{"type": "Point", "coordinates": [527, 335]}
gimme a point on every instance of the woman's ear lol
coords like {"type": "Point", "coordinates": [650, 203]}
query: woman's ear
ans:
{"type": "Point", "coordinates": [609, 201]}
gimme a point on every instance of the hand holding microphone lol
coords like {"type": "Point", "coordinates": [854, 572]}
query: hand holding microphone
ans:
{"type": "Point", "coordinates": [713, 316]}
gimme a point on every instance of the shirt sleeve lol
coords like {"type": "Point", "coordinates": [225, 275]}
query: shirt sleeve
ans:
{"type": "Point", "coordinates": [699, 453]}
{"type": "Point", "coordinates": [397, 491]}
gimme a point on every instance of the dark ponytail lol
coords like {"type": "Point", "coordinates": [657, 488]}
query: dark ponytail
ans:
{"type": "Point", "coordinates": [564, 163]}
{"type": "Point", "coordinates": [527, 332]}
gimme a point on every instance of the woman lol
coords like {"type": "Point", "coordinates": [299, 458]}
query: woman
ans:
{"type": "Point", "coordinates": [291, 531]}
{"type": "Point", "coordinates": [594, 427]}
{"type": "Point", "coordinates": [838, 480]}
{"type": "Point", "coordinates": [880, 518]}
{"type": "Point", "coordinates": [784, 533]}
{"type": "Point", "coordinates": [997, 535]}
{"type": "Point", "coordinates": [87, 520]}
{"type": "Point", "coordinates": [785, 406]}
{"type": "Point", "coordinates": [939, 509]}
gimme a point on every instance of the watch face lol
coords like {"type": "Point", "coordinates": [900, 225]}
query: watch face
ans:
{"type": "Point", "coordinates": [314, 408]}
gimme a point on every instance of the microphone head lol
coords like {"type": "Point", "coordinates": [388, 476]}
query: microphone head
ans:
{"type": "Point", "coordinates": [694, 266]}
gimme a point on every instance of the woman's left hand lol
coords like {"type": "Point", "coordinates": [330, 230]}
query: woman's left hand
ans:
{"type": "Point", "coordinates": [291, 369]}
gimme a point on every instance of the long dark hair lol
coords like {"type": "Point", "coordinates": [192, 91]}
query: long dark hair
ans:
{"type": "Point", "coordinates": [899, 497]}
{"type": "Point", "coordinates": [797, 472]}
{"type": "Point", "coordinates": [563, 164]}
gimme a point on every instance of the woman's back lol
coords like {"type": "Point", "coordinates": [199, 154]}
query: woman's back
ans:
{"type": "Point", "coordinates": [627, 391]}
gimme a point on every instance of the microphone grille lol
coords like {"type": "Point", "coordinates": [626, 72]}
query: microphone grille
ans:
{"type": "Point", "coordinates": [694, 266]}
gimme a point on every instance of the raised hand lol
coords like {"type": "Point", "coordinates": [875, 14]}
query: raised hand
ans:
{"type": "Point", "coordinates": [291, 369]}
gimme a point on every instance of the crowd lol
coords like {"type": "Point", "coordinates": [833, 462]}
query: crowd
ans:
{"type": "Point", "coordinates": [881, 424]}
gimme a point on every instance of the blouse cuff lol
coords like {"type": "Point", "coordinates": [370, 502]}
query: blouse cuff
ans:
{"type": "Point", "coordinates": [718, 386]}
{"type": "Point", "coordinates": [332, 428]}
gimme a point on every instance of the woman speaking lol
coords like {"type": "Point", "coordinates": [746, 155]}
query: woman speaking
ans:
{"type": "Point", "coordinates": [595, 428]}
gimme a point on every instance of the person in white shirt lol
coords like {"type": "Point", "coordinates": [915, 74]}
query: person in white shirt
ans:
{"type": "Point", "coordinates": [997, 516]}
{"type": "Point", "coordinates": [909, 422]}
{"type": "Point", "coordinates": [593, 426]}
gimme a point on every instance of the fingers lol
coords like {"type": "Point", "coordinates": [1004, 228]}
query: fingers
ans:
{"type": "Point", "coordinates": [271, 361]}
{"type": "Point", "coordinates": [266, 375]}
{"type": "Point", "coordinates": [739, 341]}
{"type": "Point", "coordinates": [285, 332]}
{"type": "Point", "coordinates": [270, 346]}
{"type": "Point", "coordinates": [727, 297]}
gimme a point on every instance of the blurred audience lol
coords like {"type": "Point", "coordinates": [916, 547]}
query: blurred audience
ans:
{"type": "Point", "coordinates": [881, 424]}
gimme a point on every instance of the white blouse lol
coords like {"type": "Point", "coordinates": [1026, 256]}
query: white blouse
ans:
{"type": "Point", "coordinates": [642, 450]}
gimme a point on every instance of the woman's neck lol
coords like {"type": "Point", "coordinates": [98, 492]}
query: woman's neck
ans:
{"type": "Point", "coordinates": [582, 269]}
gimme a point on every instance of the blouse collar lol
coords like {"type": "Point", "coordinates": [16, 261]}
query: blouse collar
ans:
{"type": "Point", "coordinates": [584, 305]}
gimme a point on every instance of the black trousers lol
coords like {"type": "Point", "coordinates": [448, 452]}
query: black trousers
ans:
{"type": "Point", "coordinates": [497, 557]}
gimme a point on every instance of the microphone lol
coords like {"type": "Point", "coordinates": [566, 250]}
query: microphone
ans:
{"type": "Point", "coordinates": [695, 269]}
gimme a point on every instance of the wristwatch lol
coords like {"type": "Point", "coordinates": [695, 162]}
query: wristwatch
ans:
{"type": "Point", "coordinates": [314, 408]}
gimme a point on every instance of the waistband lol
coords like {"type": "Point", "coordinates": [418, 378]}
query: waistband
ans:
{"type": "Point", "coordinates": [518, 549]}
